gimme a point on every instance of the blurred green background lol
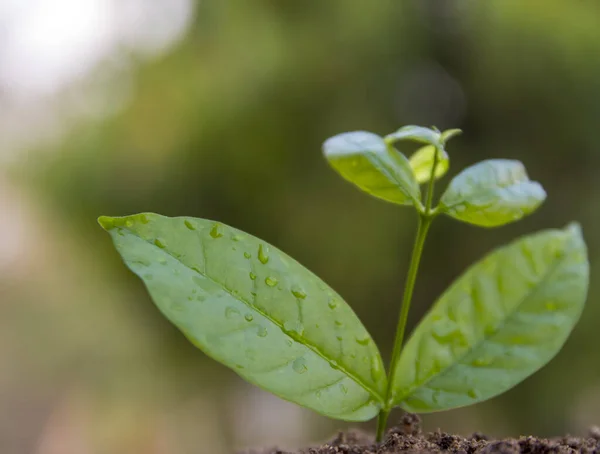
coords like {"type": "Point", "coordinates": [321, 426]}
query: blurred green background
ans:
{"type": "Point", "coordinates": [218, 109]}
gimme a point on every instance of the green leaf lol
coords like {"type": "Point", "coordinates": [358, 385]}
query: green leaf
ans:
{"type": "Point", "coordinates": [505, 318]}
{"type": "Point", "coordinates": [416, 134]}
{"type": "Point", "coordinates": [492, 193]}
{"type": "Point", "coordinates": [256, 310]}
{"type": "Point", "coordinates": [449, 134]}
{"type": "Point", "coordinates": [422, 161]}
{"type": "Point", "coordinates": [363, 158]}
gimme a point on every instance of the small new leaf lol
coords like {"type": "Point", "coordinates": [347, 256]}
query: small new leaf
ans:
{"type": "Point", "coordinates": [449, 134]}
{"type": "Point", "coordinates": [416, 134]}
{"type": "Point", "coordinates": [364, 159]}
{"type": "Point", "coordinates": [492, 193]}
{"type": "Point", "coordinates": [256, 310]}
{"type": "Point", "coordinates": [505, 318]}
{"type": "Point", "coordinates": [422, 162]}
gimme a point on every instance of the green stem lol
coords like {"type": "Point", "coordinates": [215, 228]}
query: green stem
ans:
{"type": "Point", "coordinates": [424, 223]}
{"type": "Point", "coordinates": [425, 219]}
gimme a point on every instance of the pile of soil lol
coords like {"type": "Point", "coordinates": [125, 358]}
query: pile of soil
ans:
{"type": "Point", "coordinates": [408, 438]}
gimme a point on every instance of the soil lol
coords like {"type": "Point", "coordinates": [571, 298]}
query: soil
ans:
{"type": "Point", "coordinates": [408, 438]}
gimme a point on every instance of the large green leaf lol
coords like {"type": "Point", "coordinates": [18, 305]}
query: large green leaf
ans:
{"type": "Point", "coordinates": [363, 158]}
{"type": "Point", "coordinates": [506, 317]}
{"type": "Point", "coordinates": [492, 193]}
{"type": "Point", "coordinates": [422, 161]}
{"type": "Point", "coordinates": [256, 310]}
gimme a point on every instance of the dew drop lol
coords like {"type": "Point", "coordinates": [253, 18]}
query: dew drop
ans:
{"type": "Point", "coordinates": [271, 281]}
{"type": "Point", "coordinates": [363, 340]}
{"type": "Point", "coordinates": [343, 388]}
{"type": "Point", "coordinates": [334, 365]}
{"type": "Point", "coordinates": [177, 307]}
{"type": "Point", "coordinates": [120, 232]}
{"type": "Point", "coordinates": [318, 394]}
{"type": "Point", "coordinates": [252, 276]}
{"type": "Point", "coordinates": [239, 366]}
{"type": "Point", "coordinates": [198, 280]}
{"type": "Point", "coordinates": [247, 255]}
{"type": "Point", "coordinates": [189, 224]}
{"type": "Point", "coordinates": [473, 394]}
{"type": "Point", "coordinates": [148, 277]}
{"type": "Point", "coordinates": [299, 366]}
{"type": "Point", "coordinates": [162, 261]}
{"type": "Point", "coordinates": [482, 362]}
{"type": "Point", "coordinates": [338, 323]}
{"type": "Point", "coordinates": [200, 298]}
{"type": "Point", "coordinates": [262, 332]}
{"type": "Point", "coordinates": [293, 327]}
{"type": "Point", "coordinates": [289, 342]}
{"type": "Point", "coordinates": [236, 238]}
{"type": "Point", "coordinates": [550, 306]}
{"type": "Point", "coordinates": [160, 243]}
{"type": "Point", "coordinates": [143, 262]}
{"type": "Point", "coordinates": [190, 298]}
{"type": "Point", "coordinates": [376, 369]}
{"type": "Point", "coordinates": [339, 338]}
{"type": "Point", "coordinates": [332, 303]}
{"type": "Point", "coordinates": [129, 223]}
{"type": "Point", "coordinates": [249, 317]}
{"type": "Point", "coordinates": [144, 219]}
{"type": "Point", "coordinates": [298, 292]}
{"type": "Point", "coordinates": [214, 232]}
{"type": "Point", "coordinates": [231, 312]}
{"type": "Point", "coordinates": [263, 254]}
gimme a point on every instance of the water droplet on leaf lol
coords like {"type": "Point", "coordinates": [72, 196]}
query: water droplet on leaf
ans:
{"type": "Point", "coordinates": [189, 224]}
{"type": "Point", "coordinates": [129, 223]}
{"type": "Point", "coordinates": [263, 254]}
{"type": "Point", "coordinates": [299, 366]}
{"type": "Point", "coordinates": [252, 276]}
{"type": "Point", "coordinates": [231, 312]}
{"type": "Point", "coordinates": [271, 281]}
{"type": "Point", "coordinates": [247, 255]}
{"type": "Point", "coordinates": [298, 292]}
{"type": "Point", "coordinates": [236, 237]}
{"type": "Point", "coordinates": [214, 232]}
{"type": "Point", "coordinates": [197, 280]}
{"type": "Point", "coordinates": [249, 317]}
{"type": "Point", "coordinates": [343, 388]}
{"type": "Point", "coordinates": [363, 340]}
{"type": "Point", "coordinates": [376, 369]}
{"type": "Point", "coordinates": [473, 394]}
{"type": "Point", "coordinates": [148, 277]}
{"type": "Point", "coordinates": [332, 303]}
{"type": "Point", "coordinates": [161, 244]}
{"type": "Point", "coordinates": [338, 323]}
{"type": "Point", "coordinates": [262, 332]}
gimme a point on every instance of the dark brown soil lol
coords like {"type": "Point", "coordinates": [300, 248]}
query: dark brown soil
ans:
{"type": "Point", "coordinates": [407, 438]}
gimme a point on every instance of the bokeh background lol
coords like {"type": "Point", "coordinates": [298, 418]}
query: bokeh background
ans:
{"type": "Point", "coordinates": [218, 109]}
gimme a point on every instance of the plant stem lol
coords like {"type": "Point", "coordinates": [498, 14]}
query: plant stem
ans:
{"type": "Point", "coordinates": [425, 219]}
{"type": "Point", "coordinates": [424, 223]}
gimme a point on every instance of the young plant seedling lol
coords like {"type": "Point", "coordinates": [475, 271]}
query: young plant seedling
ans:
{"type": "Point", "coordinates": [253, 308]}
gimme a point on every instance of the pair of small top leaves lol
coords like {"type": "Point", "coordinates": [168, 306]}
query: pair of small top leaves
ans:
{"type": "Point", "coordinates": [491, 193]}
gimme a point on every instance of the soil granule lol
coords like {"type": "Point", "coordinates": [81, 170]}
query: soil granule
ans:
{"type": "Point", "coordinates": [407, 438]}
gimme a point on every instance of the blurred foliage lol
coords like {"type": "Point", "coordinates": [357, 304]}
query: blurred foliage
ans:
{"type": "Point", "coordinates": [228, 125]}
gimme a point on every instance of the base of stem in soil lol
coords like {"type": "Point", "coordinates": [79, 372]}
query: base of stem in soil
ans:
{"type": "Point", "coordinates": [408, 438]}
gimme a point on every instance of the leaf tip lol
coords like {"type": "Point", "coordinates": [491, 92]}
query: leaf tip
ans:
{"type": "Point", "coordinates": [106, 222]}
{"type": "Point", "coordinates": [574, 229]}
